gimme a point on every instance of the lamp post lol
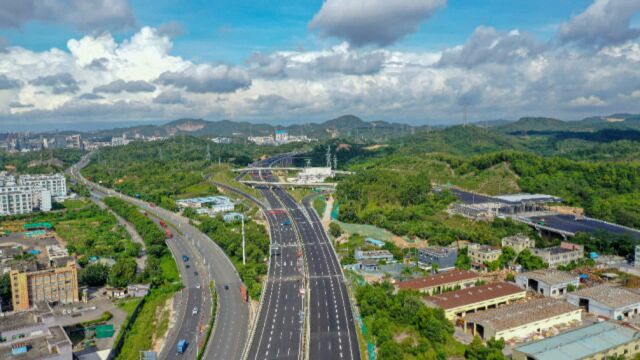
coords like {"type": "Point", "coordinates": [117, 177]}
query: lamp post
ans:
{"type": "Point", "coordinates": [244, 259]}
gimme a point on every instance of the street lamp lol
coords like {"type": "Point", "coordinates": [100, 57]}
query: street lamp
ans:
{"type": "Point", "coordinates": [244, 256]}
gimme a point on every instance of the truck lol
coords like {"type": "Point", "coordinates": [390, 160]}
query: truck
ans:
{"type": "Point", "coordinates": [182, 346]}
{"type": "Point", "coordinates": [243, 293]}
{"type": "Point", "coordinates": [287, 222]}
{"type": "Point", "coordinates": [168, 234]}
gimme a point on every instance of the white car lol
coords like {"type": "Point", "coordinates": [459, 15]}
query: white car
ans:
{"type": "Point", "coordinates": [195, 311]}
{"type": "Point", "coordinates": [197, 286]}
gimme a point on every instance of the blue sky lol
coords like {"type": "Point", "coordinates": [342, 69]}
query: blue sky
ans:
{"type": "Point", "coordinates": [416, 61]}
{"type": "Point", "coordinates": [229, 31]}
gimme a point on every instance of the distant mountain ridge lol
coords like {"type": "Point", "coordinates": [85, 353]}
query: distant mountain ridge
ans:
{"type": "Point", "coordinates": [528, 125]}
{"type": "Point", "coordinates": [346, 125]}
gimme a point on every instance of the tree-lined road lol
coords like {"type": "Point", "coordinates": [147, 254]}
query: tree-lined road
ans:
{"type": "Point", "coordinates": [231, 325]}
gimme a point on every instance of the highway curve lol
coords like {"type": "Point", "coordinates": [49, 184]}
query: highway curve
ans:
{"type": "Point", "coordinates": [231, 324]}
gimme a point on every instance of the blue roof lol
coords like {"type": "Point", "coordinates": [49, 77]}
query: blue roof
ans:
{"type": "Point", "coordinates": [374, 241]}
{"type": "Point", "coordinates": [579, 343]}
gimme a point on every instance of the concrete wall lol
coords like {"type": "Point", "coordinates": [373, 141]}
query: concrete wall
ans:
{"type": "Point", "coordinates": [533, 327]}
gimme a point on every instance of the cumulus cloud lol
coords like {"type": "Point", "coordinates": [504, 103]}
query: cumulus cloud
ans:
{"type": "Point", "coordinates": [367, 22]}
{"type": "Point", "coordinates": [487, 45]}
{"type": "Point", "coordinates": [604, 22]}
{"type": "Point", "coordinates": [585, 101]}
{"type": "Point", "coordinates": [8, 83]}
{"type": "Point", "coordinates": [87, 15]}
{"type": "Point", "coordinates": [207, 79]}
{"type": "Point", "coordinates": [351, 63]}
{"type": "Point", "coordinates": [118, 86]}
{"type": "Point", "coordinates": [59, 83]}
{"type": "Point", "coordinates": [268, 65]}
{"type": "Point", "coordinates": [169, 97]}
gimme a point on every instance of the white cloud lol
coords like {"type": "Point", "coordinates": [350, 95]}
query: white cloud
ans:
{"type": "Point", "coordinates": [604, 22]}
{"type": "Point", "coordinates": [587, 101]}
{"type": "Point", "coordinates": [207, 79]}
{"type": "Point", "coordinates": [379, 22]}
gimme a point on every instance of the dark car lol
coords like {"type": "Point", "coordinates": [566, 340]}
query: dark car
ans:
{"type": "Point", "coordinates": [226, 287]}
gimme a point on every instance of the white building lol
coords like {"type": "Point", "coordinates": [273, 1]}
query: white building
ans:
{"type": "Point", "coordinates": [207, 205]}
{"type": "Point", "coordinates": [55, 183]}
{"type": "Point", "coordinates": [312, 175]}
{"type": "Point", "coordinates": [553, 283]}
{"type": "Point", "coordinates": [15, 200]}
{"type": "Point", "coordinates": [282, 136]}
{"type": "Point", "coordinates": [611, 302]}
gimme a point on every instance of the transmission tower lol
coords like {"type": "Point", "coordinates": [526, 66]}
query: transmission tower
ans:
{"type": "Point", "coordinates": [328, 156]}
{"type": "Point", "coordinates": [335, 162]}
{"type": "Point", "coordinates": [208, 154]}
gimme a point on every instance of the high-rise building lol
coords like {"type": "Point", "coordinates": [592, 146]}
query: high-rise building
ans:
{"type": "Point", "coordinates": [58, 284]}
{"type": "Point", "coordinates": [282, 136]}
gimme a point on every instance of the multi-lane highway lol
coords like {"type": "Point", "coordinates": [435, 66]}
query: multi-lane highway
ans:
{"type": "Point", "coordinates": [331, 331]}
{"type": "Point", "coordinates": [209, 261]}
{"type": "Point", "coordinates": [278, 333]}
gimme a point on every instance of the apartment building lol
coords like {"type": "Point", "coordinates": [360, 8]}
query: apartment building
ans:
{"type": "Point", "coordinates": [55, 183]}
{"type": "Point", "coordinates": [57, 284]}
{"type": "Point", "coordinates": [563, 254]}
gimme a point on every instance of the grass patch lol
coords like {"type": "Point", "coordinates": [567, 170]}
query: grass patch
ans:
{"type": "Point", "coordinates": [224, 175]}
{"type": "Point", "coordinates": [300, 193]}
{"type": "Point", "coordinates": [169, 268]}
{"type": "Point", "coordinates": [147, 325]}
{"type": "Point", "coordinates": [319, 203]}
{"type": "Point", "coordinates": [197, 190]}
{"type": "Point", "coordinates": [73, 204]}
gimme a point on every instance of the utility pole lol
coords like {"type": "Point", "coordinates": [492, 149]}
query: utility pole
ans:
{"type": "Point", "coordinates": [208, 153]}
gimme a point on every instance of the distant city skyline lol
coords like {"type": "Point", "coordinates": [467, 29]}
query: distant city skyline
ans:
{"type": "Point", "coordinates": [83, 65]}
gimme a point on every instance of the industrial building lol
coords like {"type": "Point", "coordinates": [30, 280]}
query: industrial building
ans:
{"type": "Point", "coordinates": [522, 320]}
{"type": "Point", "coordinates": [459, 303]}
{"type": "Point", "coordinates": [52, 285]}
{"type": "Point", "coordinates": [563, 254]}
{"type": "Point", "coordinates": [438, 283]}
{"type": "Point", "coordinates": [596, 341]}
{"type": "Point", "coordinates": [33, 335]}
{"type": "Point", "coordinates": [607, 301]}
{"type": "Point", "coordinates": [518, 242]}
{"type": "Point", "coordinates": [378, 255]}
{"type": "Point", "coordinates": [207, 205]}
{"type": "Point", "coordinates": [444, 258]}
{"type": "Point", "coordinates": [480, 254]}
{"type": "Point", "coordinates": [553, 283]}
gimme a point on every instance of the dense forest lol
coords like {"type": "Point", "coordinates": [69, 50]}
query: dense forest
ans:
{"type": "Point", "coordinates": [39, 162]}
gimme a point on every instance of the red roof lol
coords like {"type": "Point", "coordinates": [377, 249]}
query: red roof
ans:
{"type": "Point", "coordinates": [443, 278]}
{"type": "Point", "coordinates": [454, 299]}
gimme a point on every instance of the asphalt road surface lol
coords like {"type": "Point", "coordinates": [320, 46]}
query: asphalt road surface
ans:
{"type": "Point", "coordinates": [209, 261]}
{"type": "Point", "coordinates": [570, 224]}
{"type": "Point", "coordinates": [279, 327]}
{"type": "Point", "coordinates": [332, 333]}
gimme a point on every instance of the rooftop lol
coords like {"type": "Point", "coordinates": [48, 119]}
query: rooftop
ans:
{"type": "Point", "coordinates": [528, 197]}
{"type": "Point", "coordinates": [613, 297]}
{"type": "Point", "coordinates": [439, 279]}
{"type": "Point", "coordinates": [512, 315]}
{"type": "Point", "coordinates": [206, 200]}
{"type": "Point", "coordinates": [454, 299]}
{"type": "Point", "coordinates": [580, 343]}
{"type": "Point", "coordinates": [551, 277]}
{"type": "Point", "coordinates": [438, 250]}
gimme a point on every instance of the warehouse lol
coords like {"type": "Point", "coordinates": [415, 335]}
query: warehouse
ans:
{"type": "Point", "coordinates": [597, 341]}
{"type": "Point", "coordinates": [607, 301]}
{"type": "Point", "coordinates": [461, 302]}
{"type": "Point", "coordinates": [552, 283]}
{"type": "Point", "coordinates": [435, 284]}
{"type": "Point", "coordinates": [522, 320]}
